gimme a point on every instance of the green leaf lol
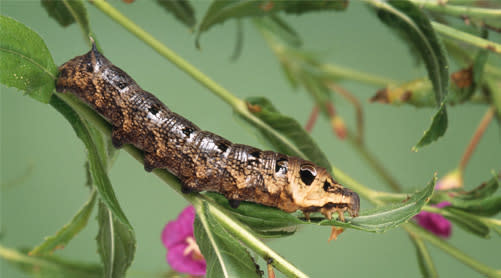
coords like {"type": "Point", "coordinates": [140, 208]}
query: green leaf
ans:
{"type": "Point", "coordinates": [409, 21]}
{"type": "Point", "coordinates": [425, 262]}
{"type": "Point", "coordinates": [239, 42]}
{"type": "Point", "coordinates": [476, 70]}
{"type": "Point", "coordinates": [387, 217]}
{"type": "Point", "coordinates": [225, 256]}
{"type": "Point", "coordinates": [494, 86]}
{"type": "Point", "coordinates": [487, 207]}
{"type": "Point", "coordinates": [280, 29]}
{"type": "Point", "coordinates": [181, 9]}
{"type": "Point", "coordinates": [25, 61]}
{"type": "Point", "coordinates": [482, 191]}
{"type": "Point", "coordinates": [479, 201]}
{"type": "Point", "coordinates": [260, 218]}
{"type": "Point", "coordinates": [289, 137]}
{"type": "Point", "coordinates": [68, 231]}
{"type": "Point", "coordinates": [50, 266]}
{"type": "Point", "coordinates": [116, 243]}
{"type": "Point", "coordinates": [467, 222]}
{"type": "Point", "coordinates": [67, 12]}
{"type": "Point", "coordinates": [222, 10]}
{"type": "Point", "coordinates": [96, 162]}
{"type": "Point", "coordinates": [436, 130]}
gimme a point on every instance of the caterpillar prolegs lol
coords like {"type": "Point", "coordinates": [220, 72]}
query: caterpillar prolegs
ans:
{"type": "Point", "coordinates": [203, 161]}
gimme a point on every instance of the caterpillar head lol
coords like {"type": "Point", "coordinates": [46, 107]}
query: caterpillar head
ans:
{"type": "Point", "coordinates": [313, 189]}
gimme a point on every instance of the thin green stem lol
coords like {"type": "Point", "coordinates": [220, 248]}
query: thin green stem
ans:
{"type": "Point", "coordinates": [479, 132]}
{"type": "Point", "coordinates": [457, 10]}
{"type": "Point", "coordinates": [165, 51]}
{"type": "Point", "coordinates": [18, 257]}
{"type": "Point", "coordinates": [251, 241]}
{"type": "Point", "coordinates": [77, 18]}
{"type": "Point", "coordinates": [336, 71]}
{"type": "Point", "coordinates": [373, 162]}
{"type": "Point", "coordinates": [470, 39]}
{"type": "Point", "coordinates": [428, 268]}
{"type": "Point", "coordinates": [453, 251]}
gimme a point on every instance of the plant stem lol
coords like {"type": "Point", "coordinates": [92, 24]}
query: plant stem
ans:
{"type": "Point", "coordinates": [165, 51]}
{"type": "Point", "coordinates": [339, 72]}
{"type": "Point", "coordinates": [427, 266]}
{"type": "Point", "coordinates": [75, 15]}
{"type": "Point", "coordinates": [453, 251]}
{"type": "Point", "coordinates": [236, 229]}
{"type": "Point", "coordinates": [456, 10]}
{"type": "Point", "coordinates": [374, 163]}
{"type": "Point", "coordinates": [356, 104]}
{"type": "Point", "coordinates": [482, 126]}
{"type": "Point", "coordinates": [450, 32]}
{"type": "Point", "coordinates": [312, 120]}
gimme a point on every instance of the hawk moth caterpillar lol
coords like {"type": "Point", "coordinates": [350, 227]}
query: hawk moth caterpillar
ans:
{"type": "Point", "coordinates": [203, 161]}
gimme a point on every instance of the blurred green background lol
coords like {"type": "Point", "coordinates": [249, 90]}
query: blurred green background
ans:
{"type": "Point", "coordinates": [42, 160]}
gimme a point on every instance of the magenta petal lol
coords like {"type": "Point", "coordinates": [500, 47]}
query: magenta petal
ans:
{"type": "Point", "coordinates": [184, 264]}
{"type": "Point", "coordinates": [435, 223]}
{"type": "Point", "coordinates": [178, 230]}
{"type": "Point", "coordinates": [175, 238]}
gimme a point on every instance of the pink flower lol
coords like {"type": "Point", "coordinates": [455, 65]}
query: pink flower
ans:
{"type": "Point", "coordinates": [183, 254]}
{"type": "Point", "coordinates": [434, 222]}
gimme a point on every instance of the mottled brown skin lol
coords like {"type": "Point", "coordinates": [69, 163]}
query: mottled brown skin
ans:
{"type": "Point", "coordinates": [203, 161]}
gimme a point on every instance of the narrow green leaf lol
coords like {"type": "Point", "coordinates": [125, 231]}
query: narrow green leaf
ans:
{"type": "Point", "coordinates": [436, 130]}
{"type": "Point", "coordinates": [68, 231]}
{"type": "Point", "coordinates": [225, 256]}
{"type": "Point", "coordinates": [409, 21]}
{"type": "Point", "coordinates": [181, 9]}
{"type": "Point", "coordinates": [387, 217]}
{"type": "Point", "coordinates": [494, 86]}
{"type": "Point", "coordinates": [222, 10]}
{"type": "Point", "coordinates": [479, 201]}
{"type": "Point", "coordinates": [25, 61]}
{"type": "Point", "coordinates": [289, 74]}
{"type": "Point", "coordinates": [50, 266]}
{"type": "Point", "coordinates": [258, 217]}
{"type": "Point", "coordinates": [280, 29]}
{"type": "Point", "coordinates": [99, 175]}
{"type": "Point", "coordinates": [293, 140]}
{"type": "Point", "coordinates": [116, 243]}
{"type": "Point", "coordinates": [476, 70]}
{"type": "Point", "coordinates": [482, 191]}
{"type": "Point", "coordinates": [487, 207]}
{"type": "Point", "coordinates": [67, 12]}
{"type": "Point", "coordinates": [239, 41]}
{"type": "Point", "coordinates": [425, 262]}
{"type": "Point", "coordinates": [467, 222]}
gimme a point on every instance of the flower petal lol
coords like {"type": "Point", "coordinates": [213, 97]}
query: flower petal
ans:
{"type": "Point", "coordinates": [184, 264]}
{"type": "Point", "coordinates": [435, 223]}
{"type": "Point", "coordinates": [178, 230]}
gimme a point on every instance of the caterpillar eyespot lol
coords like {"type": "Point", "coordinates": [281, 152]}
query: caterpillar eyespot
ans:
{"type": "Point", "coordinates": [203, 161]}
